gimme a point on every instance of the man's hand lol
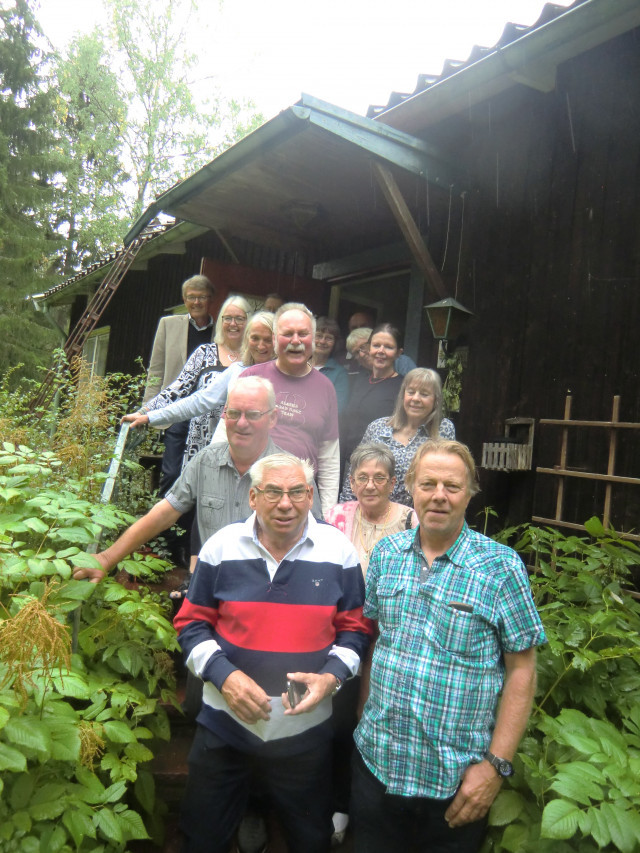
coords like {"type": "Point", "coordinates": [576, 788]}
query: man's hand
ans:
{"type": "Point", "coordinates": [137, 419]}
{"type": "Point", "coordinates": [318, 686]}
{"type": "Point", "coordinates": [245, 698]}
{"type": "Point", "coordinates": [94, 575]}
{"type": "Point", "coordinates": [479, 788]}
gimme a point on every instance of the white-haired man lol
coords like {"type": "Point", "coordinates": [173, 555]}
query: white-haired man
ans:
{"type": "Point", "coordinates": [306, 400]}
{"type": "Point", "coordinates": [273, 600]}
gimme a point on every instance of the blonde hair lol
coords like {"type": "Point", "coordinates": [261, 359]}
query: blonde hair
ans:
{"type": "Point", "coordinates": [241, 303]}
{"type": "Point", "coordinates": [428, 380]}
{"type": "Point", "coordinates": [263, 318]}
{"type": "Point", "coordinates": [444, 445]}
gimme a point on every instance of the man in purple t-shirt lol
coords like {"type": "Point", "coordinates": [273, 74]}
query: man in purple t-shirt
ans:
{"type": "Point", "coordinates": [306, 400]}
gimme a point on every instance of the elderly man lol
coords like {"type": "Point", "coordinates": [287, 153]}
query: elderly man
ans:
{"type": "Point", "coordinates": [216, 480]}
{"type": "Point", "coordinates": [453, 671]}
{"type": "Point", "coordinates": [176, 338]}
{"type": "Point", "coordinates": [307, 405]}
{"type": "Point", "coordinates": [273, 600]}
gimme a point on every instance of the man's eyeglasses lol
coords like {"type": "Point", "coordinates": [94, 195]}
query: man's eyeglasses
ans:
{"type": "Point", "coordinates": [274, 495]}
{"type": "Point", "coordinates": [228, 319]}
{"type": "Point", "coordinates": [378, 480]}
{"type": "Point", "coordinates": [192, 299]}
{"type": "Point", "coordinates": [251, 415]}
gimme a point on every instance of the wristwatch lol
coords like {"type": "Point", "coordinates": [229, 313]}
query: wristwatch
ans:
{"type": "Point", "coordinates": [503, 767]}
{"type": "Point", "coordinates": [339, 683]}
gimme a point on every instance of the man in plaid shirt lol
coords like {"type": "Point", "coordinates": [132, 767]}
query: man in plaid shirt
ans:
{"type": "Point", "coordinates": [453, 672]}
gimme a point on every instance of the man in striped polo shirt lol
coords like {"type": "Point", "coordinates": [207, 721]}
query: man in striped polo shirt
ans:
{"type": "Point", "coordinates": [275, 599]}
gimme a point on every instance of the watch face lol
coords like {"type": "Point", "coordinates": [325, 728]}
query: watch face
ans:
{"type": "Point", "coordinates": [505, 768]}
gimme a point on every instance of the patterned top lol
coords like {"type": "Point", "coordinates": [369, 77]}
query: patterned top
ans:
{"type": "Point", "coordinates": [361, 532]}
{"type": "Point", "coordinates": [380, 431]}
{"type": "Point", "coordinates": [200, 369]}
{"type": "Point", "coordinates": [438, 668]}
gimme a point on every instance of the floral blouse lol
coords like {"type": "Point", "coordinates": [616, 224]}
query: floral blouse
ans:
{"type": "Point", "coordinates": [200, 369]}
{"type": "Point", "coordinates": [380, 432]}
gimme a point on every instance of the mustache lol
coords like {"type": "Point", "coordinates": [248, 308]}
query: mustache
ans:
{"type": "Point", "coordinates": [294, 348]}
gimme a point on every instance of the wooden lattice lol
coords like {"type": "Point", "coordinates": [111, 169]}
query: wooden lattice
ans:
{"type": "Point", "coordinates": [561, 471]}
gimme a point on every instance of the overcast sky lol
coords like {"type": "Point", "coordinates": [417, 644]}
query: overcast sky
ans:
{"type": "Point", "coordinates": [351, 53]}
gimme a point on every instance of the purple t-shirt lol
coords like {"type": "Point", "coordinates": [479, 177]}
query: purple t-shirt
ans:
{"type": "Point", "coordinates": [307, 410]}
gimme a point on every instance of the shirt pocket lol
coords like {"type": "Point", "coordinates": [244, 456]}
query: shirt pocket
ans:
{"type": "Point", "coordinates": [214, 508]}
{"type": "Point", "coordinates": [466, 636]}
{"type": "Point", "coordinates": [391, 602]}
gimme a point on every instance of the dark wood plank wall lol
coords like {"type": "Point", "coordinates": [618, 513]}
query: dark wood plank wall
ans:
{"type": "Point", "coordinates": [551, 265]}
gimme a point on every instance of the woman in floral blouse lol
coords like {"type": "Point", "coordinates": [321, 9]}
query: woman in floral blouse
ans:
{"type": "Point", "coordinates": [417, 417]}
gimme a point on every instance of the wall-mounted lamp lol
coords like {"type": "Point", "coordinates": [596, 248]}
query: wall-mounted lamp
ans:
{"type": "Point", "coordinates": [446, 318]}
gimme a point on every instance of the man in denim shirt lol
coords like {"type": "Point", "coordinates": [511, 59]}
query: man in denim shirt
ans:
{"type": "Point", "coordinates": [452, 677]}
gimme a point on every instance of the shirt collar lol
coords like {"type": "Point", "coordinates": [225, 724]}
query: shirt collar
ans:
{"type": "Point", "coordinates": [201, 328]}
{"type": "Point", "coordinates": [456, 552]}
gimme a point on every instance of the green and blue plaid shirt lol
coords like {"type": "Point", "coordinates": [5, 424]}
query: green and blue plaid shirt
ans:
{"type": "Point", "coordinates": [438, 665]}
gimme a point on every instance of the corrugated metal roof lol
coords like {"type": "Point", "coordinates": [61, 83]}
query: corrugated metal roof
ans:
{"type": "Point", "coordinates": [511, 33]}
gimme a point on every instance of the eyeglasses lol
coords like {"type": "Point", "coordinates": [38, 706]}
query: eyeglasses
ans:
{"type": "Point", "coordinates": [378, 480]}
{"type": "Point", "coordinates": [251, 415]}
{"type": "Point", "coordinates": [325, 336]}
{"type": "Point", "coordinates": [274, 495]}
{"type": "Point", "coordinates": [362, 351]}
{"type": "Point", "coordinates": [229, 319]}
{"type": "Point", "coordinates": [192, 299]}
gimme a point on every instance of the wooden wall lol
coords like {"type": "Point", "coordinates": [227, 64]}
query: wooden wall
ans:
{"type": "Point", "coordinates": [550, 264]}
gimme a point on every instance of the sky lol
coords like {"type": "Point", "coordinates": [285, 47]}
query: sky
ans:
{"type": "Point", "coordinates": [351, 53]}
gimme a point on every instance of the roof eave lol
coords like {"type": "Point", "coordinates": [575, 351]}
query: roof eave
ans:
{"type": "Point", "coordinates": [530, 60]}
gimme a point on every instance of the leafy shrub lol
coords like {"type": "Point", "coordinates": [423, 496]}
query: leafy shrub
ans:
{"type": "Point", "coordinates": [577, 781]}
{"type": "Point", "coordinates": [85, 669]}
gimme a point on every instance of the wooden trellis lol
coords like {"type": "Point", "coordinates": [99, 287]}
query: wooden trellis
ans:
{"type": "Point", "coordinates": [610, 478]}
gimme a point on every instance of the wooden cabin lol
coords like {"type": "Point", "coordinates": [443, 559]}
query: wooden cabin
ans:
{"type": "Point", "coordinates": [511, 182]}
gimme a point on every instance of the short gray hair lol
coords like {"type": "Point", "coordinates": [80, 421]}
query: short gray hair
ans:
{"type": "Point", "coordinates": [294, 306]}
{"type": "Point", "coordinates": [242, 383]}
{"type": "Point", "coordinates": [279, 460]}
{"type": "Point", "coordinates": [372, 451]}
{"type": "Point", "coordinates": [237, 300]}
{"type": "Point", "coordinates": [198, 282]}
{"type": "Point", "coordinates": [357, 336]}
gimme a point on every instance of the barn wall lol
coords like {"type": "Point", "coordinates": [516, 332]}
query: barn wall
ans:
{"type": "Point", "coordinates": [549, 262]}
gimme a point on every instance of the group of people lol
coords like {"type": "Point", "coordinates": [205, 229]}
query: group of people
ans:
{"type": "Point", "coordinates": [364, 654]}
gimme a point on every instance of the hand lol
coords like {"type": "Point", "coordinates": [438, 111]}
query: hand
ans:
{"type": "Point", "coordinates": [245, 698]}
{"type": "Point", "coordinates": [137, 419]}
{"type": "Point", "coordinates": [479, 788]}
{"type": "Point", "coordinates": [318, 686]}
{"type": "Point", "coordinates": [94, 575]}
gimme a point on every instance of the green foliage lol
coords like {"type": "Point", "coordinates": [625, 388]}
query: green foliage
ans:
{"type": "Point", "coordinates": [576, 786]}
{"type": "Point", "coordinates": [85, 669]}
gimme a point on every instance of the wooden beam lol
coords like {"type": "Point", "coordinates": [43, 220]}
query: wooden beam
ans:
{"type": "Point", "coordinates": [402, 214]}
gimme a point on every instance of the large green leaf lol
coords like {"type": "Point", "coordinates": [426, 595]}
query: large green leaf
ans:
{"type": "Point", "coordinates": [119, 732]}
{"type": "Point", "coordinates": [559, 819]}
{"type": "Point", "coordinates": [145, 790]}
{"type": "Point", "coordinates": [579, 781]}
{"type": "Point", "coordinates": [623, 826]}
{"type": "Point", "coordinates": [12, 759]}
{"type": "Point", "coordinates": [132, 825]}
{"type": "Point", "coordinates": [506, 808]}
{"type": "Point", "coordinates": [109, 825]}
{"type": "Point", "coordinates": [79, 824]}
{"type": "Point", "coordinates": [29, 732]}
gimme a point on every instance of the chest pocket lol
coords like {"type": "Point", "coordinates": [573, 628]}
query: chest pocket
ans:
{"type": "Point", "coordinates": [465, 635]}
{"type": "Point", "coordinates": [391, 602]}
{"type": "Point", "coordinates": [214, 508]}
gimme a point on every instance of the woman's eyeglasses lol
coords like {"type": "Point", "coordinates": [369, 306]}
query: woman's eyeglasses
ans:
{"type": "Point", "coordinates": [378, 480]}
